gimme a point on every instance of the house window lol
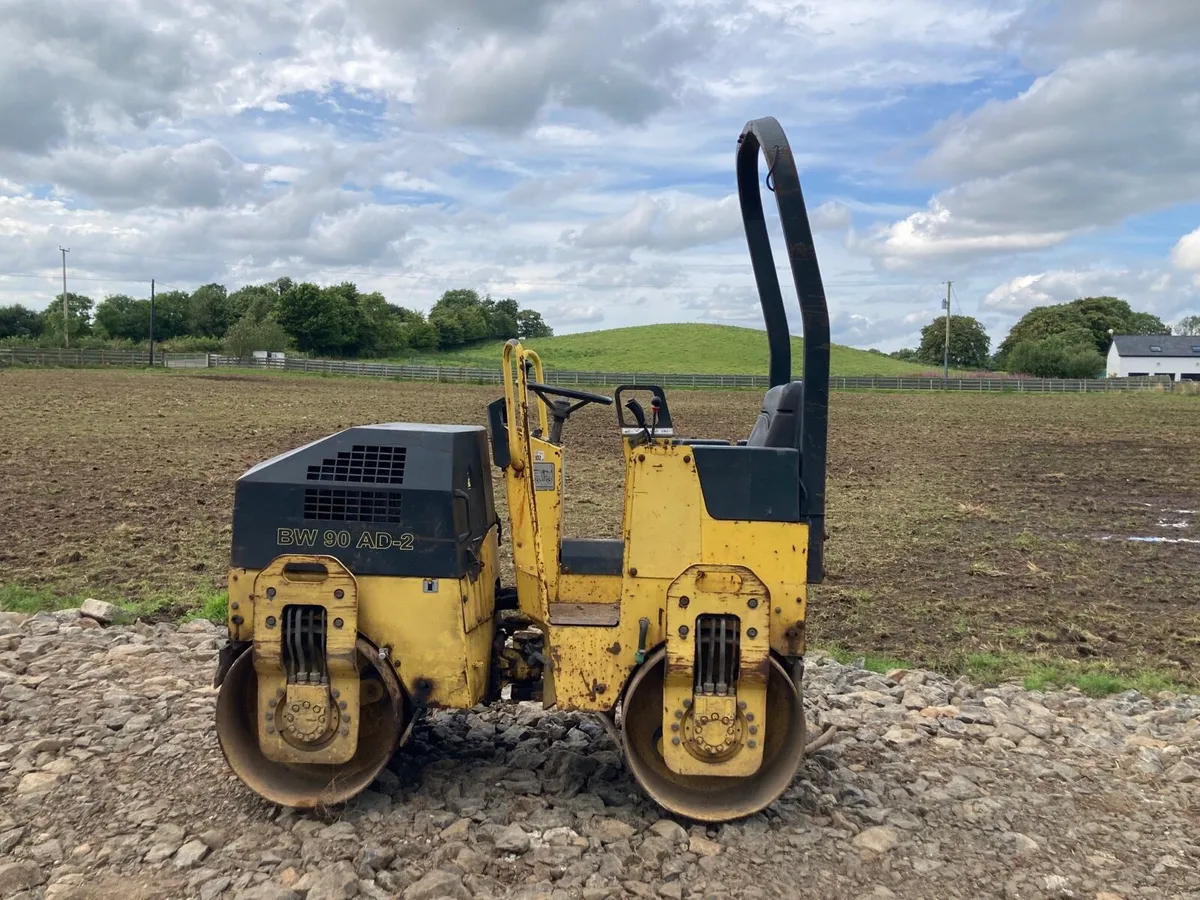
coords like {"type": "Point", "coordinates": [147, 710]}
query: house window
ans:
{"type": "Point", "coordinates": [1154, 348]}
{"type": "Point", "coordinates": [1196, 348]}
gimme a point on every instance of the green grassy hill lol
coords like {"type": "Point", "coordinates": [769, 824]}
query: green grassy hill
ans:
{"type": "Point", "coordinates": [685, 348]}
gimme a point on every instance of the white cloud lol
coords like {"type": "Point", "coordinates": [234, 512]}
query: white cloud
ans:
{"type": "Point", "coordinates": [1150, 290]}
{"type": "Point", "coordinates": [665, 223]}
{"type": "Point", "coordinates": [575, 315]}
{"type": "Point", "coordinates": [1105, 134]}
{"type": "Point", "coordinates": [580, 157]}
{"type": "Point", "coordinates": [831, 215]}
{"type": "Point", "coordinates": [1185, 254]}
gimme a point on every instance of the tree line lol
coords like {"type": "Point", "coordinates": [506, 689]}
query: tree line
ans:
{"type": "Point", "coordinates": [1066, 340]}
{"type": "Point", "coordinates": [336, 320]}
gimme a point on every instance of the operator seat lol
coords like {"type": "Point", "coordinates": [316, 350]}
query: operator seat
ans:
{"type": "Point", "coordinates": [779, 423]}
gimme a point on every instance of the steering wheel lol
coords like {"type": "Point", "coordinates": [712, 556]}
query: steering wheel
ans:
{"type": "Point", "coordinates": [561, 409]}
{"type": "Point", "coordinates": [544, 389]}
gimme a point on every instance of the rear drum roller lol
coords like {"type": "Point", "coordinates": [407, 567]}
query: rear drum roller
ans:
{"type": "Point", "coordinates": [710, 798]}
{"type": "Point", "coordinates": [309, 786]}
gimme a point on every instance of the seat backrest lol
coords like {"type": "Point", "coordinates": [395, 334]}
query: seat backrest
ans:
{"type": "Point", "coordinates": [779, 423]}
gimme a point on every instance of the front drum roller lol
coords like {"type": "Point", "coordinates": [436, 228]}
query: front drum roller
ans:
{"type": "Point", "coordinates": [711, 798]}
{"type": "Point", "coordinates": [308, 785]}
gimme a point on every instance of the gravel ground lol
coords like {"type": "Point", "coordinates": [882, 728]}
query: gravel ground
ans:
{"type": "Point", "coordinates": [112, 785]}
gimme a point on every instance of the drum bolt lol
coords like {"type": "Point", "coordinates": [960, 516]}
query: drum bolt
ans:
{"type": "Point", "coordinates": [683, 602]}
{"type": "Point", "coordinates": [678, 714]}
{"type": "Point", "coordinates": [269, 716]}
{"type": "Point", "coordinates": [741, 704]}
{"type": "Point", "coordinates": [271, 701]}
{"type": "Point", "coordinates": [752, 632]}
{"type": "Point", "coordinates": [270, 730]}
{"type": "Point", "coordinates": [752, 603]}
{"type": "Point", "coordinates": [778, 610]}
{"type": "Point", "coordinates": [674, 726]}
{"type": "Point", "coordinates": [338, 623]}
{"type": "Point", "coordinates": [336, 693]}
{"type": "Point", "coordinates": [754, 729]}
{"type": "Point", "coordinates": [751, 743]}
{"type": "Point", "coordinates": [339, 594]}
{"type": "Point", "coordinates": [345, 731]}
{"type": "Point", "coordinates": [749, 717]}
{"type": "Point", "coordinates": [342, 704]}
{"type": "Point", "coordinates": [687, 703]}
{"type": "Point", "coordinates": [270, 621]}
{"type": "Point", "coordinates": [675, 741]}
{"type": "Point", "coordinates": [683, 631]}
{"type": "Point", "coordinates": [278, 692]}
{"type": "Point", "coordinates": [270, 593]}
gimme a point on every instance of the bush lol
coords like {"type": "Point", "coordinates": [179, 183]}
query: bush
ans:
{"type": "Point", "coordinates": [1054, 358]}
{"type": "Point", "coordinates": [190, 344]}
{"type": "Point", "coordinates": [246, 336]}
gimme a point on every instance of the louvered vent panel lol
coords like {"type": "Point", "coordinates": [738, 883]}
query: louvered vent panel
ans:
{"type": "Point", "coordinates": [341, 505]}
{"type": "Point", "coordinates": [362, 464]}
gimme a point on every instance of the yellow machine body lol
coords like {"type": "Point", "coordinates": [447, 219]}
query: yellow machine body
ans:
{"type": "Point", "coordinates": [366, 587]}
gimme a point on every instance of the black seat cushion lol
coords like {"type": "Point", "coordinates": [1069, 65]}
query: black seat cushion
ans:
{"type": "Point", "coordinates": [591, 556]}
{"type": "Point", "coordinates": [779, 423]}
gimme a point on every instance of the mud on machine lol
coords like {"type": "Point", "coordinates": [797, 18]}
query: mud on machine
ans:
{"type": "Point", "coordinates": [365, 583]}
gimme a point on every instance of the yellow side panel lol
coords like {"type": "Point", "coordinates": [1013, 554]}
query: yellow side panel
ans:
{"type": "Point", "coordinates": [663, 508]}
{"type": "Point", "coordinates": [589, 588]}
{"type": "Point", "coordinates": [422, 624]}
{"type": "Point", "coordinates": [480, 601]}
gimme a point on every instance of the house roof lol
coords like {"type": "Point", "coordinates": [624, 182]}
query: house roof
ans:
{"type": "Point", "coordinates": [1185, 345]}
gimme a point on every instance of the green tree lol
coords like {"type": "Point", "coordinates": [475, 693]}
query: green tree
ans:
{"type": "Point", "coordinates": [1188, 325]}
{"type": "Point", "coordinates": [501, 318]}
{"type": "Point", "coordinates": [210, 313]}
{"type": "Point", "coordinates": [320, 320]}
{"type": "Point", "coordinates": [1145, 323]}
{"type": "Point", "coordinates": [121, 316]}
{"type": "Point", "coordinates": [18, 322]}
{"type": "Point", "coordinates": [1091, 319]}
{"type": "Point", "coordinates": [255, 300]}
{"type": "Point", "coordinates": [79, 313]}
{"type": "Point", "coordinates": [531, 325]}
{"type": "Point", "coordinates": [449, 326]}
{"type": "Point", "coordinates": [969, 342]}
{"type": "Point", "coordinates": [248, 335]}
{"type": "Point", "coordinates": [908, 354]}
{"type": "Point", "coordinates": [380, 331]}
{"type": "Point", "coordinates": [171, 310]}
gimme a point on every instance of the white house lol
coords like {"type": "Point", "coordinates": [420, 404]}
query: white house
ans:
{"type": "Point", "coordinates": [1142, 355]}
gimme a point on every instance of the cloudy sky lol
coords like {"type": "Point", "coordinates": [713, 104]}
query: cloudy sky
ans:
{"type": "Point", "coordinates": [578, 155]}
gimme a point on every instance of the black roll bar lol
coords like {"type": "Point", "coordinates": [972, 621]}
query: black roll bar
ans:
{"type": "Point", "coordinates": [782, 178]}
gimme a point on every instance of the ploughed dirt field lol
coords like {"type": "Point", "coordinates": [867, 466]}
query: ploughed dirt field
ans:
{"type": "Point", "coordinates": [987, 534]}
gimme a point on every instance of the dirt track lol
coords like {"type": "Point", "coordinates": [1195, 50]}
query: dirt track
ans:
{"type": "Point", "coordinates": [963, 528]}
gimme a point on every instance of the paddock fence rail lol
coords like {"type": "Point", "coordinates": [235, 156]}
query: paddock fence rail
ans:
{"type": "Point", "coordinates": [29, 356]}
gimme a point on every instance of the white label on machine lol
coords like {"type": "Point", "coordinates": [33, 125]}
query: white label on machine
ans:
{"type": "Point", "coordinates": [543, 476]}
{"type": "Point", "coordinates": [539, 455]}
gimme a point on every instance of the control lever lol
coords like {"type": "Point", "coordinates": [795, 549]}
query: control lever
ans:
{"type": "Point", "coordinates": [639, 415]}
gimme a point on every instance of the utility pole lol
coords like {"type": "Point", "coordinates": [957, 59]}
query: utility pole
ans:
{"type": "Point", "coordinates": [151, 323]}
{"type": "Point", "coordinates": [946, 352]}
{"type": "Point", "coordinates": [66, 319]}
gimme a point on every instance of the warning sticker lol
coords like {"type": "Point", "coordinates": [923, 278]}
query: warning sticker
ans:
{"type": "Point", "coordinates": [543, 476]}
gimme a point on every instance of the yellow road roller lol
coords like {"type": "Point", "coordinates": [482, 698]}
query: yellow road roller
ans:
{"type": "Point", "coordinates": [365, 586]}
